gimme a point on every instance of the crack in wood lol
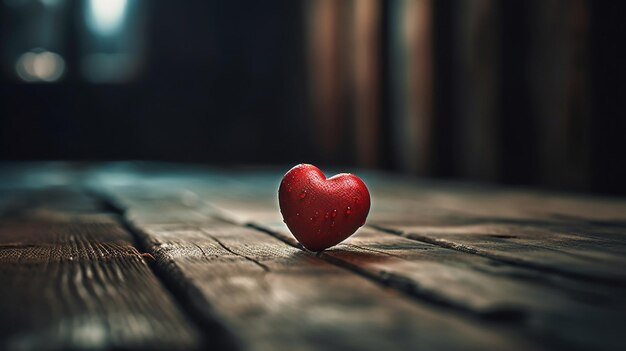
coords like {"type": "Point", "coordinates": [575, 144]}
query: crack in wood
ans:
{"type": "Point", "coordinates": [407, 286]}
{"type": "Point", "coordinates": [60, 292]}
{"type": "Point", "coordinates": [215, 334]}
{"type": "Point", "coordinates": [419, 283]}
{"type": "Point", "coordinates": [219, 242]}
{"type": "Point", "coordinates": [501, 258]}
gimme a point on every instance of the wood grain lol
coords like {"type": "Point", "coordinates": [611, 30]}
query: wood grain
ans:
{"type": "Point", "coordinates": [522, 264]}
{"type": "Point", "coordinates": [540, 301]}
{"type": "Point", "coordinates": [71, 279]}
{"type": "Point", "coordinates": [483, 288]}
{"type": "Point", "coordinates": [273, 296]}
{"type": "Point", "coordinates": [480, 286]}
{"type": "Point", "coordinates": [399, 200]}
{"type": "Point", "coordinates": [576, 237]}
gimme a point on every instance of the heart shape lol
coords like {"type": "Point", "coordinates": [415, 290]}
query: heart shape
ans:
{"type": "Point", "coordinates": [322, 212]}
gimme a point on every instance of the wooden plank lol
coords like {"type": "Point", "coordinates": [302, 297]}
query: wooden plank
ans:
{"type": "Point", "coordinates": [492, 201]}
{"type": "Point", "coordinates": [476, 285]}
{"type": "Point", "coordinates": [483, 286]}
{"type": "Point", "coordinates": [569, 309]}
{"type": "Point", "coordinates": [573, 236]}
{"type": "Point", "coordinates": [399, 199]}
{"type": "Point", "coordinates": [72, 279]}
{"type": "Point", "coordinates": [519, 247]}
{"type": "Point", "coordinates": [273, 296]}
{"type": "Point", "coordinates": [544, 304]}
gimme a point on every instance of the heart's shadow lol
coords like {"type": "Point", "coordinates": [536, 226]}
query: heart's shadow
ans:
{"type": "Point", "coordinates": [354, 256]}
{"type": "Point", "coordinates": [341, 256]}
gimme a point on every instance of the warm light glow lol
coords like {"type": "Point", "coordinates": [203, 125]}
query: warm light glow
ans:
{"type": "Point", "coordinates": [105, 17]}
{"type": "Point", "coordinates": [40, 65]}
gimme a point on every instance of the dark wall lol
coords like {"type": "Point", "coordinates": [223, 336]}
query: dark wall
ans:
{"type": "Point", "coordinates": [230, 82]}
{"type": "Point", "coordinates": [608, 93]}
{"type": "Point", "coordinates": [221, 82]}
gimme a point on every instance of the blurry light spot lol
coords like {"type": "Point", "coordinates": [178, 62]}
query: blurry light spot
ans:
{"type": "Point", "coordinates": [189, 198]}
{"type": "Point", "coordinates": [40, 65]}
{"type": "Point", "coordinates": [105, 17]}
{"type": "Point", "coordinates": [51, 2]}
{"type": "Point", "coordinates": [108, 68]}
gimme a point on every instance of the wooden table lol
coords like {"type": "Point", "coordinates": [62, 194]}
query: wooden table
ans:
{"type": "Point", "coordinates": [160, 256]}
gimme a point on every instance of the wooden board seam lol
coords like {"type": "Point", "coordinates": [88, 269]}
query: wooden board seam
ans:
{"type": "Point", "coordinates": [205, 321]}
{"type": "Point", "coordinates": [401, 284]}
{"type": "Point", "coordinates": [514, 261]}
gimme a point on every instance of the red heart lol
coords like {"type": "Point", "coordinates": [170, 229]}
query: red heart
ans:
{"type": "Point", "coordinates": [322, 212]}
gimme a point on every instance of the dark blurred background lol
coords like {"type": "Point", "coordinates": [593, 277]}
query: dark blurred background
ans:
{"type": "Point", "coordinates": [517, 92]}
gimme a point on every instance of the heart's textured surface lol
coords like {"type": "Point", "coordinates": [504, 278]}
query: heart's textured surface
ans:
{"type": "Point", "coordinates": [322, 212]}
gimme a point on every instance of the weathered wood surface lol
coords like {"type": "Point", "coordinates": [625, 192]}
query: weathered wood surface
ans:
{"type": "Point", "coordinates": [544, 304]}
{"type": "Point", "coordinates": [541, 300]}
{"type": "Point", "coordinates": [271, 296]}
{"type": "Point", "coordinates": [437, 266]}
{"type": "Point", "coordinates": [72, 279]}
{"type": "Point", "coordinates": [572, 236]}
{"type": "Point", "coordinates": [584, 308]}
